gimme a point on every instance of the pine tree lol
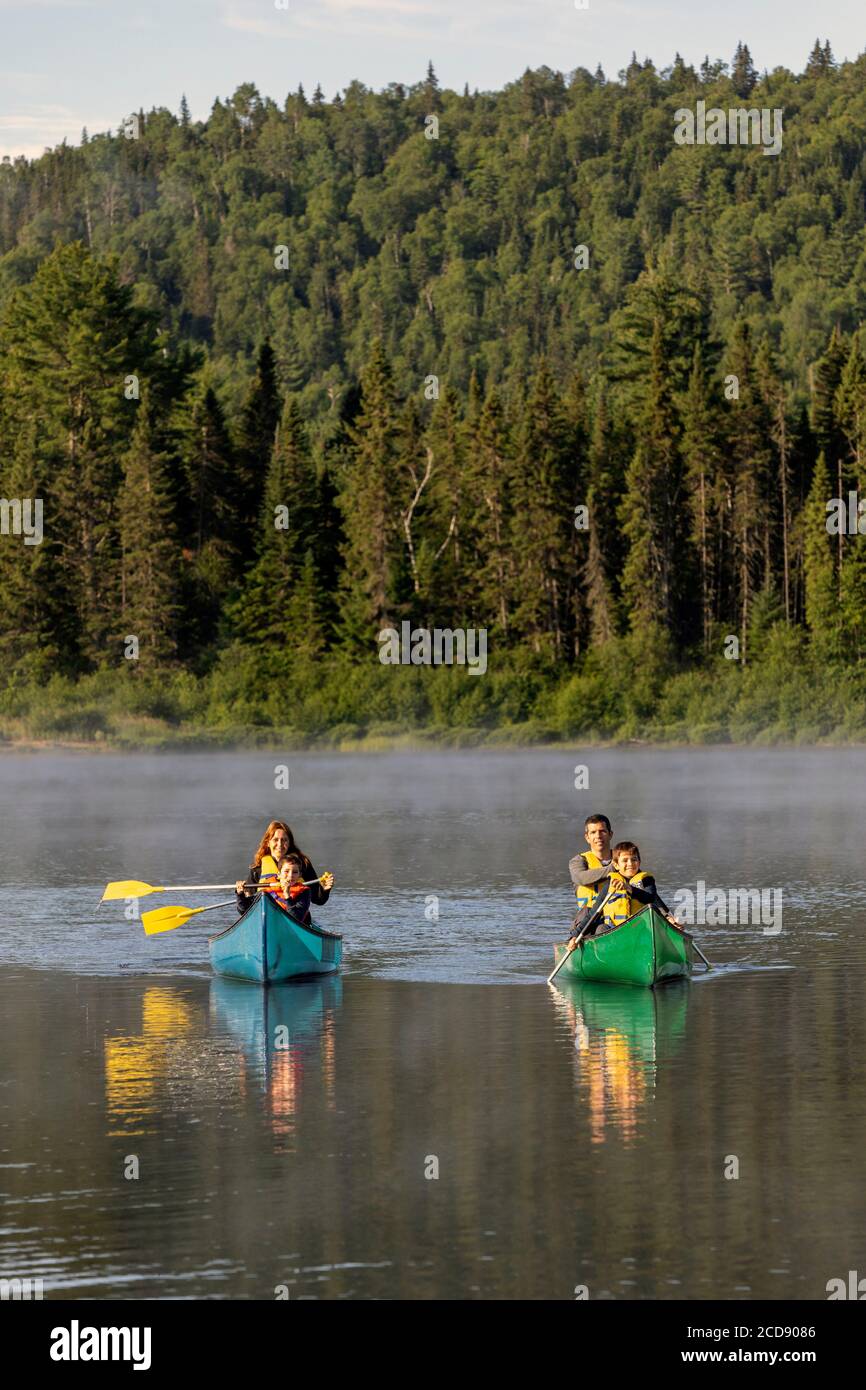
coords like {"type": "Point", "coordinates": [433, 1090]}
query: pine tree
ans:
{"type": "Point", "coordinates": [849, 414]}
{"type": "Point", "coordinates": [542, 523]}
{"type": "Point", "coordinates": [701, 452]}
{"type": "Point", "coordinates": [489, 484]}
{"type": "Point", "coordinates": [750, 457]}
{"type": "Point", "coordinates": [288, 530]}
{"type": "Point", "coordinates": [604, 550]}
{"type": "Point", "coordinates": [822, 613]}
{"type": "Point", "coordinates": [209, 520]}
{"type": "Point", "coordinates": [827, 377]}
{"type": "Point", "coordinates": [149, 550]}
{"type": "Point", "coordinates": [259, 418]}
{"type": "Point", "coordinates": [447, 565]}
{"type": "Point", "coordinates": [743, 74]}
{"type": "Point", "coordinates": [36, 620]}
{"type": "Point", "coordinates": [370, 511]}
{"type": "Point", "coordinates": [654, 521]}
{"type": "Point", "coordinates": [414, 468]}
{"type": "Point", "coordinates": [305, 615]}
{"type": "Point", "coordinates": [72, 341]}
{"type": "Point", "coordinates": [816, 66]}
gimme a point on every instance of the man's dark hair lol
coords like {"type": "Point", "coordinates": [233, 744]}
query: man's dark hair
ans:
{"type": "Point", "coordinates": [591, 820]}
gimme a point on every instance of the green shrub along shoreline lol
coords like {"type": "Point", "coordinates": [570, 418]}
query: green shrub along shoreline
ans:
{"type": "Point", "coordinates": [626, 690]}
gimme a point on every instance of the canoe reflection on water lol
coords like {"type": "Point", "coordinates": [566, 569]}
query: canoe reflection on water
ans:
{"type": "Point", "coordinates": [178, 1058]}
{"type": "Point", "coordinates": [283, 1031]}
{"type": "Point", "coordinates": [622, 1036]}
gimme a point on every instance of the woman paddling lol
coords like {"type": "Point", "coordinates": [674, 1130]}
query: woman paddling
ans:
{"type": "Point", "coordinates": [276, 843]}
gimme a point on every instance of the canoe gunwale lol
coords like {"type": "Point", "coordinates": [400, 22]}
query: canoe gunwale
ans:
{"type": "Point", "coordinates": [311, 927]}
{"type": "Point", "coordinates": [629, 922]}
{"type": "Point", "coordinates": [605, 966]}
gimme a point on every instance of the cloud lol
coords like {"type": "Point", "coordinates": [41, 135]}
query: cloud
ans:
{"type": "Point", "coordinates": [30, 132]}
{"type": "Point", "coordinates": [375, 18]}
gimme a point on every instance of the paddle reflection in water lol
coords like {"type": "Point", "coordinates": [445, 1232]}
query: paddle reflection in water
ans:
{"type": "Point", "coordinates": [622, 1036]}
{"type": "Point", "coordinates": [136, 1064]}
{"type": "Point", "coordinates": [284, 1030]}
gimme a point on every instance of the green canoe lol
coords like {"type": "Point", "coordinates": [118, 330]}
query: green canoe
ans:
{"type": "Point", "coordinates": [645, 950]}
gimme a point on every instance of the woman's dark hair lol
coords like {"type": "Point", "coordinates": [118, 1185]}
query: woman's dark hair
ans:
{"type": "Point", "coordinates": [593, 820]}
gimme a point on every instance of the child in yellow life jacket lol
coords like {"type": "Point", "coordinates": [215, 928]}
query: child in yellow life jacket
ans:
{"type": "Point", "coordinates": [630, 888]}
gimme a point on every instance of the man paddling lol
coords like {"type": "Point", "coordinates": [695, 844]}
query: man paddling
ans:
{"type": "Point", "coordinates": [589, 869]}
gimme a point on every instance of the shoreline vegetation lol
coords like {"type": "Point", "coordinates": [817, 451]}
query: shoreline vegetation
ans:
{"type": "Point", "coordinates": [790, 699]}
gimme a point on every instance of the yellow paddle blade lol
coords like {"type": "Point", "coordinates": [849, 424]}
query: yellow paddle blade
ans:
{"type": "Point", "coordinates": [167, 918]}
{"type": "Point", "coordinates": [127, 888]}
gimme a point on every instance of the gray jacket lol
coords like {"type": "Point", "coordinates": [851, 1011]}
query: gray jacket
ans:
{"type": "Point", "coordinates": [582, 877]}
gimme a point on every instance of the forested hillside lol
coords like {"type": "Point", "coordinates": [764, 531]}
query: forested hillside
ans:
{"type": "Point", "coordinates": [514, 361]}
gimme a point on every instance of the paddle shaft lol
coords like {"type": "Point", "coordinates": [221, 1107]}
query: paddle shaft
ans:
{"type": "Point", "coordinates": [193, 911]}
{"type": "Point", "coordinates": [697, 948]}
{"type": "Point", "coordinates": [145, 889]}
{"type": "Point", "coordinates": [690, 938]}
{"type": "Point", "coordinates": [590, 922]}
{"type": "Point", "coordinates": [211, 887]}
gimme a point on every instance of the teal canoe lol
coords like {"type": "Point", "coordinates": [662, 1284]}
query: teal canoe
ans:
{"type": "Point", "coordinates": [269, 947]}
{"type": "Point", "coordinates": [645, 950]}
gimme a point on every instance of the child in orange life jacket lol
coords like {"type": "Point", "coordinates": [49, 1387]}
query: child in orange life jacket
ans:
{"type": "Point", "coordinates": [630, 888]}
{"type": "Point", "coordinates": [291, 893]}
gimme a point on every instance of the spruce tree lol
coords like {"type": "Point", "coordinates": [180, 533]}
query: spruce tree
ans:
{"type": "Point", "coordinates": [604, 545]}
{"type": "Point", "coordinates": [288, 530]}
{"type": "Point", "coordinates": [701, 451]}
{"type": "Point", "coordinates": [210, 521]}
{"type": "Point", "coordinates": [449, 566]}
{"type": "Point", "coordinates": [149, 550]}
{"type": "Point", "coordinates": [37, 622]}
{"type": "Point", "coordinates": [259, 418]}
{"type": "Point", "coordinates": [655, 522]}
{"type": "Point", "coordinates": [73, 343]}
{"type": "Point", "coordinates": [743, 74]}
{"type": "Point", "coordinates": [822, 612]}
{"type": "Point", "coordinates": [830, 438]}
{"type": "Point", "coordinates": [489, 484]}
{"type": "Point", "coordinates": [750, 456]}
{"type": "Point", "coordinates": [370, 509]}
{"type": "Point", "coordinates": [542, 523]}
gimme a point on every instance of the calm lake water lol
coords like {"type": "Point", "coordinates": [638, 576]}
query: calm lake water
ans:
{"type": "Point", "coordinates": [582, 1135]}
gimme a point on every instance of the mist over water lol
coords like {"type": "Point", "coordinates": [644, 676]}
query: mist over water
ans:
{"type": "Point", "coordinates": [581, 1134]}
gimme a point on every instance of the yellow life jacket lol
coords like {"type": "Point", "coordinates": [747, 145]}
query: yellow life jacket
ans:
{"type": "Point", "coordinates": [619, 906]}
{"type": "Point", "coordinates": [586, 893]}
{"type": "Point", "coordinates": [269, 873]}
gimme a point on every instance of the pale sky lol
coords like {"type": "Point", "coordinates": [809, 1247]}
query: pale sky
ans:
{"type": "Point", "coordinates": [65, 64]}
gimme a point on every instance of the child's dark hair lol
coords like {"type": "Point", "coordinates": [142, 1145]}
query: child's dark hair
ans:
{"type": "Point", "coordinates": [291, 859]}
{"type": "Point", "coordinates": [601, 820]}
{"type": "Point", "coordinates": [625, 847]}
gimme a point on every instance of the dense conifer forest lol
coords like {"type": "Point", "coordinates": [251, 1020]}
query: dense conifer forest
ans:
{"type": "Point", "coordinates": [513, 361]}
